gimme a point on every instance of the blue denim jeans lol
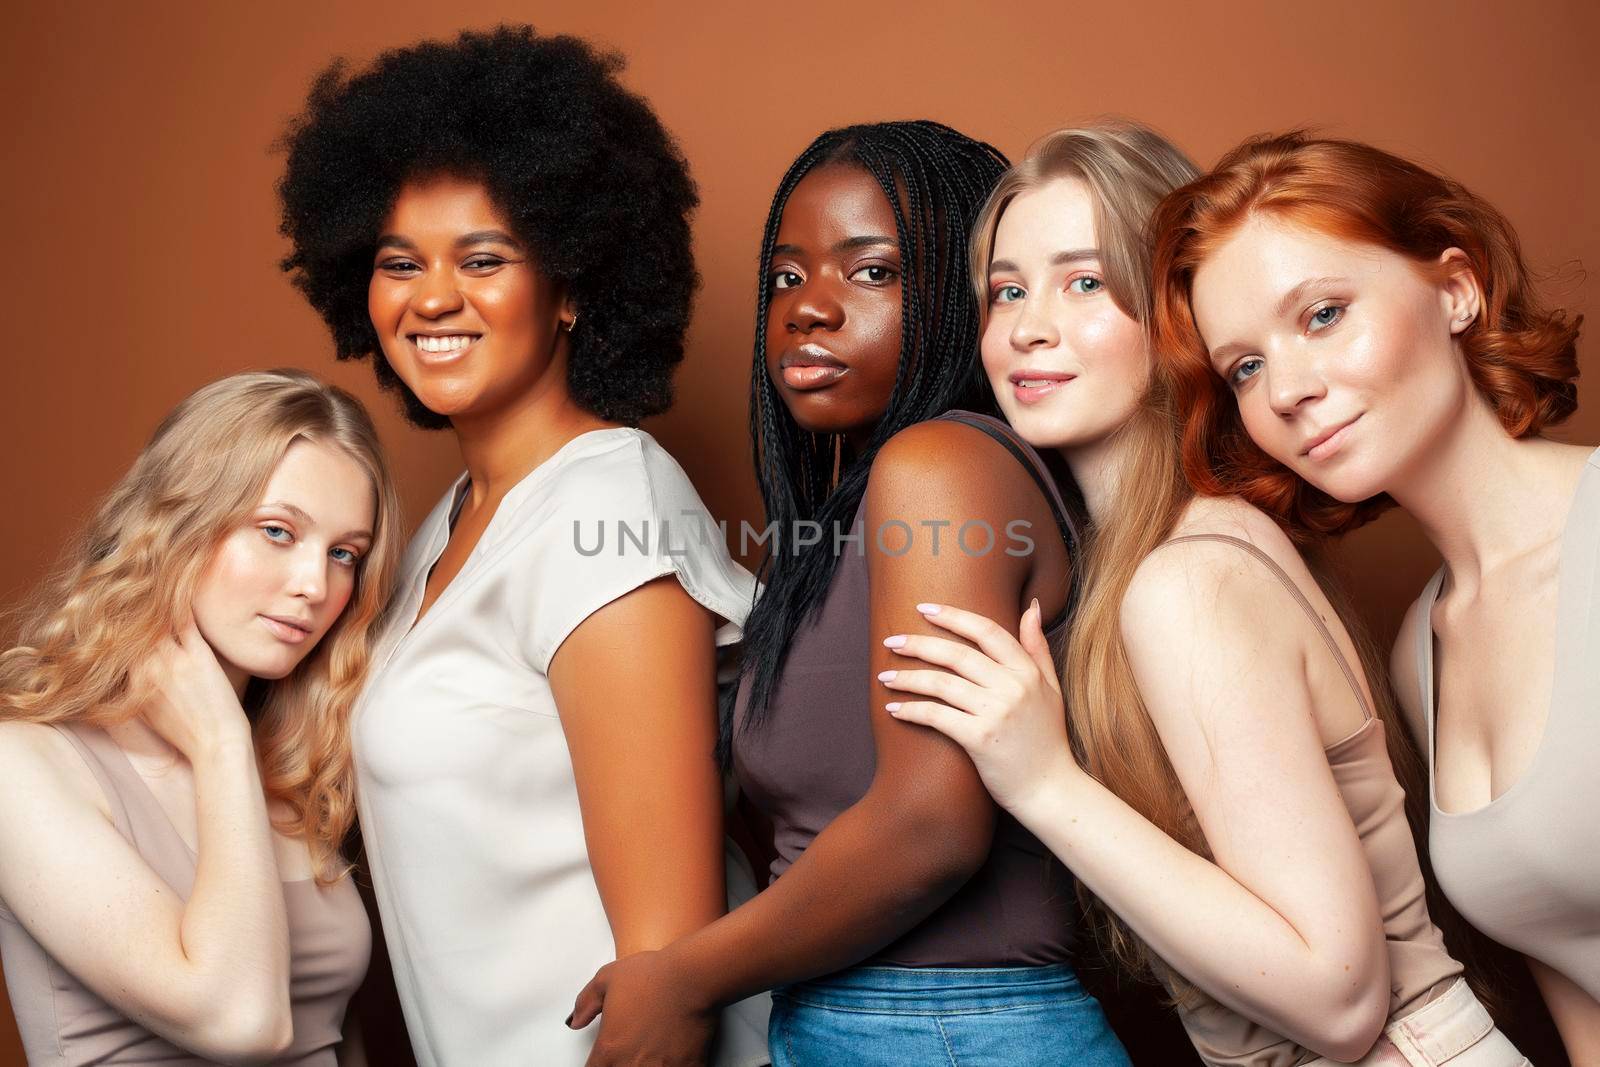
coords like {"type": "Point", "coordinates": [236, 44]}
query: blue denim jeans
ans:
{"type": "Point", "coordinates": [959, 1017]}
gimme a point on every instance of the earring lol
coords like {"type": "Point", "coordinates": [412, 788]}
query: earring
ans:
{"type": "Point", "coordinates": [573, 323]}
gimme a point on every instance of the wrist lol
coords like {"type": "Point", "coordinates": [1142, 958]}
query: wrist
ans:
{"type": "Point", "coordinates": [694, 983]}
{"type": "Point", "coordinates": [1050, 793]}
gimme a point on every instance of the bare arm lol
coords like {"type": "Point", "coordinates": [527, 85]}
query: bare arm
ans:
{"type": "Point", "coordinates": [856, 888]}
{"type": "Point", "coordinates": [635, 687]}
{"type": "Point", "coordinates": [1283, 926]}
{"type": "Point", "coordinates": [211, 975]}
{"type": "Point", "coordinates": [1575, 1013]}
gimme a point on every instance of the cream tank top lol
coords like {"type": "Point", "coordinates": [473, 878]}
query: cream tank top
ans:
{"type": "Point", "coordinates": [64, 1024]}
{"type": "Point", "coordinates": [1525, 868]}
{"type": "Point", "coordinates": [1420, 968]}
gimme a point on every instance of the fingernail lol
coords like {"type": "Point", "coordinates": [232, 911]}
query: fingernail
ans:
{"type": "Point", "coordinates": [569, 1022]}
{"type": "Point", "coordinates": [892, 707]}
{"type": "Point", "coordinates": [887, 676]}
{"type": "Point", "coordinates": [928, 609]}
{"type": "Point", "coordinates": [1035, 605]}
{"type": "Point", "coordinates": [897, 641]}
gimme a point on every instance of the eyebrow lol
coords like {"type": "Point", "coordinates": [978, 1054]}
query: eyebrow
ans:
{"type": "Point", "coordinates": [300, 515]}
{"type": "Point", "coordinates": [849, 244]}
{"type": "Point", "coordinates": [1294, 296]}
{"type": "Point", "coordinates": [1060, 259]}
{"type": "Point", "coordinates": [1286, 304]}
{"type": "Point", "coordinates": [395, 240]}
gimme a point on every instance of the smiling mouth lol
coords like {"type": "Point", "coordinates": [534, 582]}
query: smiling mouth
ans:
{"type": "Point", "coordinates": [444, 346]}
{"type": "Point", "coordinates": [1032, 386]}
{"type": "Point", "coordinates": [1328, 442]}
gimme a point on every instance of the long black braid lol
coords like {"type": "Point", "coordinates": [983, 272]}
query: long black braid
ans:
{"type": "Point", "coordinates": [936, 179]}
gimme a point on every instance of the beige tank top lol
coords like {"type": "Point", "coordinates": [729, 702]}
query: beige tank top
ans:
{"type": "Point", "coordinates": [1419, 966]}
{"type": "Point", "coordinates": [62, 1023]}
{"type": "Point", "coordinates": [1525, 868]}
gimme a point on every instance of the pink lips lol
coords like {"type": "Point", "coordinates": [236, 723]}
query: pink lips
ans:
{"type": "Point", "coordinates": [287, 630]}
{"type": "Point", "coordinates": [1040, 384]}
{"type": "Point", "coordinates": [1329, 441]}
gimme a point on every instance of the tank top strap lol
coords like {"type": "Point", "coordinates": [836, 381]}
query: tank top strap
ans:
{"type": "Point", "coordinates": [106, 766]}
{"type": "Point", "coordinates": [1299, 598]}
{"type": "Point", "coordinates": [1033, 463]}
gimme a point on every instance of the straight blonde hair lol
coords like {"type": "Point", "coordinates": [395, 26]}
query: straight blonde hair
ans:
{"type": "Point", "coordinates": [129, 581]}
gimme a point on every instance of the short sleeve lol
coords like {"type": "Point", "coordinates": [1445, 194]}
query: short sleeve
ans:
{"type": "Point", "coordinates": [622, 518]}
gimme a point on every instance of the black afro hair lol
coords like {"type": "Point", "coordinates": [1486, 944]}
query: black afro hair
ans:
{"type": "Point", "coordinates": [582, 168]}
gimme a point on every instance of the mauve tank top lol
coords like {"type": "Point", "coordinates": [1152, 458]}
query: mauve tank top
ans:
{"type": "Point", "coordinates": [63, 1024]}
{"type": "Point", "coordinates": [1525, 868]}
{"type": "Point", "coordinates": [814, 756]}
{"type": "Point", "coordinates": [1420, 968]}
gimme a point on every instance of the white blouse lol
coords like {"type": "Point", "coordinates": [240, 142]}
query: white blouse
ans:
{"type": "Point", "coordinates": [469, 812]}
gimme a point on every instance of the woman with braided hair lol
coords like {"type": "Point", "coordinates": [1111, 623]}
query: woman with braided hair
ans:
{"type": "Point", "coordinates": [907, 920]}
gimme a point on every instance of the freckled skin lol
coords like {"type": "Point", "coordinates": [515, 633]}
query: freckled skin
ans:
{"type": "Point", "coordinates": [847, 300]}
{"type": "Point", "coordinates": [1376, 339]}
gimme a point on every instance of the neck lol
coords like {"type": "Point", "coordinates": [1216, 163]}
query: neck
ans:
{"type": "Point", "coordinates": [1482, 496]}
{"type": "Point", "coordinates": [1096, 467]}
{"type": "Point", "coordinates": [500, 447]}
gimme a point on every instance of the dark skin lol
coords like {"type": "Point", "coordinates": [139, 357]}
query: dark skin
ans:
{"type": "Point", "coordinates": [448, 265]}
{"type": "Point", "coordinates": [858, 887]}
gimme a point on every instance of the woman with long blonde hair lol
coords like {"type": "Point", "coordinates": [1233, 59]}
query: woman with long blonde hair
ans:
{"type": "Point", "coordinates": [175, 770]}
{"type": "Point", "coordinates": [1220, 779]}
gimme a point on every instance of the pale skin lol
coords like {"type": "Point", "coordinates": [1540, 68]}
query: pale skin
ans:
{"type": "Point", "coordinates": [210, 974]}
{"type": "Point", "coordinates": [1372, 337]}
{"type": "Point", "coordinates": [648, 784]}
{"type": "Point", "coordinates": [1282, 925]}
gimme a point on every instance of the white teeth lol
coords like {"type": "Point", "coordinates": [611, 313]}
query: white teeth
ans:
{"type": "Point", "coordinates": [453, 343]}
{"type": "Point", "coordinates": [1033, 383]}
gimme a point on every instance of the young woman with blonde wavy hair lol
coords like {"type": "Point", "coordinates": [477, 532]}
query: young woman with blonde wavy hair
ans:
{"type": "Point", "coordinates": [1348, 331]}
{"type": "Point", "coordinates": [1220, 780]}
{"type": "Point", "coordinates": [175, 770]}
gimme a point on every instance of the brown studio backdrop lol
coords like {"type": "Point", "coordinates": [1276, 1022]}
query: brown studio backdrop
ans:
{"type": "Point", "coordinates": [140, 221]}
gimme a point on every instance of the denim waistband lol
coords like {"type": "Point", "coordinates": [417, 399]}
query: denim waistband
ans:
{"type": "Point", "coordinates": [905, 989]}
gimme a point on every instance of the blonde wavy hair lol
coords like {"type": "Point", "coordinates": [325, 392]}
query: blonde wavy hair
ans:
{"type": "Point", "coordinates": [129, 580]}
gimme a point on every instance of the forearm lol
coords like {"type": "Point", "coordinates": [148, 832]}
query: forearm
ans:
{"type": "Point", "coordinates": [1575, 1013]}
{"type": "Point", "coordinates": [1203, 922]}
{"type": "Point", "coordinates": [852, 892]}
{"type": "Point", "coordinates": [234, 931]}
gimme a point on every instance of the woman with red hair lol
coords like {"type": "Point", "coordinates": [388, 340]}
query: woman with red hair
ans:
{"type": "Point", "coordinates": [1345, 330]}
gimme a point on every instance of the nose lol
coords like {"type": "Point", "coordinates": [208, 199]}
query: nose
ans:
{"type": "Point", "coordinates": [1033, 327]}
{"type": "Point", "coordinates": [1292, 381]}
{"type": "Point", "coordinates": [814, 306]}
{"type": "Point", "coordinates": [437, 293]}
{"type": "Point", "coordinates": [309, 578]}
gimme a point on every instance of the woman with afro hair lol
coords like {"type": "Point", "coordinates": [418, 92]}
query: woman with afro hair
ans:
{"type": "Point", "coordinates": [502, 229]}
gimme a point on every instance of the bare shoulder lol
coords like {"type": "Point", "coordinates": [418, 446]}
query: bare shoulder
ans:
{"type": "Point", "coordinates": [36, 760]}
{"type": "Point", "coordinates": [1210, 585]}
{"type": "Point", "coordinates": [941, 461]}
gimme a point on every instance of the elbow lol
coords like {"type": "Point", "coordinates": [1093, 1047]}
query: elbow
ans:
{"type": "Point", "coordinates": [249, 1031]}
{"type": "Point", "coordinates": [951, 850]}
{"type": "Point", "coordinates": [1352, 1022]}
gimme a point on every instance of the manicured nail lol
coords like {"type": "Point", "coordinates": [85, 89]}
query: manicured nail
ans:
{"type": "Point", "coordinates": [887, 676]}
{"type": "Point", "coordinates": [892, 707]}
{"type": "Point", "coordinates": [1035, 606]}
{"type": "Point", "coordinates": [569, 1022]}
{"type": "Point", "coordinates": [897, 641]}
{"type": "Point", "coordinates": [928, 609]}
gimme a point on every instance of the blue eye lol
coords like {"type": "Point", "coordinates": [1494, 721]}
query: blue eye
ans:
{"type": "Point", "coordinates": [1245, 369]}
{"type": "Point", "coordinates": [785, 279]}
{"type": "Point", "coordinates": [344, 556]}
{"type": "Point", "coordinates": [1007, 294]}
{"type": "Point", "coordinates": [272, 532]}
{"type": "Point", "coordinates": [1326, 316]}
{"type": "Point", "coordinates": [1087, 284]}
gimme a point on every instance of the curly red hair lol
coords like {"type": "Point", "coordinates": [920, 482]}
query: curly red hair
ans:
{"type": "Point", "coordinates": [1522, 358]}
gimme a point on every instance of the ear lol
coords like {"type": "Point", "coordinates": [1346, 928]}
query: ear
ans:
{"type": "Point", "coordinates": [1462, 292]}
{"type": "Point", "coordinates": [568, 315]}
